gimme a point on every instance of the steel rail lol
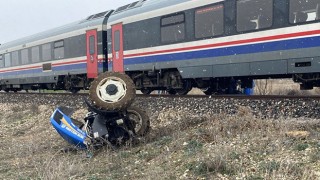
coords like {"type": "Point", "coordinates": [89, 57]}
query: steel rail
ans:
{"type": "Point", "coordinates": [251, 97]}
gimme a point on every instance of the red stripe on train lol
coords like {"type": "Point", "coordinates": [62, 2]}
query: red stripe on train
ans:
{"type": "Point", "coordinates": [276, 37]}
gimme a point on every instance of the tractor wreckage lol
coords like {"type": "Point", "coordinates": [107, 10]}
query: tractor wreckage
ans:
{"type": "Point", "coordinates": [111, 120]}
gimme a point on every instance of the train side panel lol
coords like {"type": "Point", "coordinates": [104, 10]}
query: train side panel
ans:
{"type": "Point", "coordinates": [280, 41]}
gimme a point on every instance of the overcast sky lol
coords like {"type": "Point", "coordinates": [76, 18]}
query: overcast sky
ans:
{"type": "Point", "coordinates": [20, 18]}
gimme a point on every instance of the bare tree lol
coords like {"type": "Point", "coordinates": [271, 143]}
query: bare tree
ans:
{"type": "Point", "coordinates": [263, 86]}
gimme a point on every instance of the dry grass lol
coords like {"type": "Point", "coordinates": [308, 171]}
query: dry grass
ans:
{"type": "Point", "coordinates": [281, 87]}
{"type": "Point", "coordinates": [180, 146]}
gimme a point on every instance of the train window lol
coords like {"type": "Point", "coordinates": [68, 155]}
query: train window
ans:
{"type": "Point", "coordinates": [254, 14]}
{"type": "Point", "coordinates": [46, 67]}
{"type": "Point", "coordinates": [7, 60]}
{"type": "Point", "coordinates": [58, 44]}
{"type": "Point", "coordinates": [304, 11]}
{"type": "Point", "coordinates": [117, 40]}
{"type": "Point", "coordinates": [209, 21]}
{"type": "Point", "coordinates": [35, 54]}
{"type": "Point", "coordinates": [58, 50]}
{"type": "Point", "coordinates": [172, 20]}
{"type": "Point", "coordinates": [24, 56]}
{"type": "Point", "coordinates": [173, 28]}
{"type": "Point", "coordinates": [15, 58]}
{"type": "Point", "coordinates": [92, 43]}
{"type": "Point", "coordinates": [46, 52]}
{"type": "Point", "coordinates": [1, 61]}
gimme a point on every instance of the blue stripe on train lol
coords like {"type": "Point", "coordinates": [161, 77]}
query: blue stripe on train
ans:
{"type": "Point", "coordinates": [55, 68]}
{"type": "Point", "coordinates": [227, 51]}
{"type": "Point", "coordinates": [71, 66]}
{"type": "Point", "coordinates": [39, 70]}
{"type": "Point", "coordinates": [22, 72]}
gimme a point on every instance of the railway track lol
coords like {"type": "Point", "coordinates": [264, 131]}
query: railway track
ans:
{"type": "Point", "coordinates": [270, 106]}
{"type": "Point", "coordinates": [234, 96]}
{"type": "Point", "coordinates": [253, 97]}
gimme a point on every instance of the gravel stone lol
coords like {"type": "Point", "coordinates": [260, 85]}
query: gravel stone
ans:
{"type": "Point", "coordinates": [273, 108]}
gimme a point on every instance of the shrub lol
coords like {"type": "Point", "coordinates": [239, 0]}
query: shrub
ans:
{"type": "Point", "coordinates": [215, 165]}
{"type": "Point", "coordinates": [301, 147]}
{"type": "Point", "coordinates": [193, 146]}
{"type": "Point", "coordinates": [269, 167]}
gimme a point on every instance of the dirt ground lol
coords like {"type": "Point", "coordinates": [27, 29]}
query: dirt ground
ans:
{"type": "Point", "coordinates": [179, 147]}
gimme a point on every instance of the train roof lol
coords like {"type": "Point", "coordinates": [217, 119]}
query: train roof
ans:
{"type": "Point", "coordinates": [140, 7]}
{"type": "Point", "coordinates": [143, 9]}
{"type": "Point", "coordinates": [91, 21]}
{"type": "Point", "coordinates": [121, 14]}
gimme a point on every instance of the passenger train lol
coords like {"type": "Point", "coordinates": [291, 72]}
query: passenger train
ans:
{"type": "Point", "coordinates": [173, 45]}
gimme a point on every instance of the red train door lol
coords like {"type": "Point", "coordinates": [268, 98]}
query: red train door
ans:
{"type": "Point", "coordinates": [92, 54]}
{"type": "Point", "coordinates": [117, 48]}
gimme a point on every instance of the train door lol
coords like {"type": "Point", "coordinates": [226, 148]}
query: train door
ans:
{"type": "Point", "coordinates": [117, 49]}
{"type": "Point", "coordinates": [92, 54]}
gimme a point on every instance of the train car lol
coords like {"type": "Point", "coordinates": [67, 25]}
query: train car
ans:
{"type": "Point", "coordinates": [64, 58]}
{"type": "Point", "coordinates": [175, 45]}
{"type": "Point", "coordinates": [212, 44]}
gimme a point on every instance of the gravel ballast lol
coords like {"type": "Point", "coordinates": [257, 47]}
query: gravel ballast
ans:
{"type": "Point", "coordinates": [273, 108]}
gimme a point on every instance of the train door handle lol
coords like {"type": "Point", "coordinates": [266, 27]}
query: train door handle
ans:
{"type": "Point", "coordinates": [117, 54]}
{"type": "Point", "coordinates": [91, 58]}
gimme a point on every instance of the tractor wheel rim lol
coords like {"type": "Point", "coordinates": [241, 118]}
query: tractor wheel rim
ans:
{"type": "Point", "coordinates": [117, 95]}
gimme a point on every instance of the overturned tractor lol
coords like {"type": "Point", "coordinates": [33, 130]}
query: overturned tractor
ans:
{"type": "Point", "coordinates": [111, 120]}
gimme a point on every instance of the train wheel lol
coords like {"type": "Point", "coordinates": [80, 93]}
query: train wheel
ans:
{"type": "Point", "coordinates": [140, 120]}
{"type": "Point", "coordinates": [182, 91]}
{"type": "Point", "coordinates": [187, 86]}
{"type": "Point", "coordinates": [172, 91]}
{"type": "Point", "coordinates": [146, 91]}
{"type": "Point", "coordinates": [207, 91]}
{"type": "Point", "coordinates": [112, 91]}
{"type": "Point", "coordinates": [74, 90]}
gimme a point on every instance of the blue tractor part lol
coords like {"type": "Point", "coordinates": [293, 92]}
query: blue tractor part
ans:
{"type": "Point", "coordinates": [65, 127]}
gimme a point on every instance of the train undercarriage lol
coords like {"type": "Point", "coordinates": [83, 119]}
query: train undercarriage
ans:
{"type": "Point", "coordinates": [171, 82]}
{"type": "Point", "coordinates": [307, 81]}
{"type": "Point", "coordinates": [71, 83]}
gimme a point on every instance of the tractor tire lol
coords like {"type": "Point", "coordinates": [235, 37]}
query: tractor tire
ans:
{"type": "Point", "coordinates": [140, 120]}
{"type": "Point", "coordinates": [112, 91]}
